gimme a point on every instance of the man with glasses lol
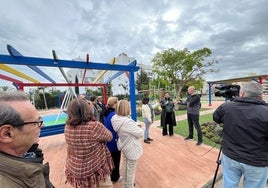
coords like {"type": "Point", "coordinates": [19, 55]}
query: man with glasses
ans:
{"type": "Point", "coordinates": [20, 126]}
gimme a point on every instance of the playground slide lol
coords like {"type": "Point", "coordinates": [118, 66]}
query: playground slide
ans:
{"type": "Point", "coordinates": [14, 53]}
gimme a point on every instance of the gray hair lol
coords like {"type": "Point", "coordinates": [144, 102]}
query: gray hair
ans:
{"type": "Point", "coordinates": [252, 89]}
{"type": "Point", "coordinates": [8, 115]}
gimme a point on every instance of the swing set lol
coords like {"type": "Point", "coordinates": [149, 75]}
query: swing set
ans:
{"type": "Point", "coordinates": [17, 59]}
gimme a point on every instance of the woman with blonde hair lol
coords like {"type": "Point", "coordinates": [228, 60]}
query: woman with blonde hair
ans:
{"type": "Point", "coordinates": [89, 162]}
{"type": "Point", "coordinates": [128, 142]}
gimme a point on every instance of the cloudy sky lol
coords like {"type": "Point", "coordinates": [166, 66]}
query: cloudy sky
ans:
{"type": "Point", "coordinates": [235, 31]}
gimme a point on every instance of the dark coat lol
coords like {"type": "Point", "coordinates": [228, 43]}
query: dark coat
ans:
{"type": "Point", "coordinates": [108, 114]}
{"type": "Point", "coordinates": [167, 106]}
{"type": "Point", "coordinates": [245, 130]}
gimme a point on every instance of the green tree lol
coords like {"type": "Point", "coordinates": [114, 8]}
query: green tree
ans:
{"type": "Point", "coordinates": [142, 81]}
{"type": "Point", "coordinates": [109, 89]}
{"type": "Point", "coordinates": [6, 88]}
{"type": "Point", "coordinates": [96, 92]}
{"type": "Point", "coordinates": [182, 67]}
{"type": "Point", "coordinates": [125, 87]}
{"type": "Point", "coordinates": [159, 83]}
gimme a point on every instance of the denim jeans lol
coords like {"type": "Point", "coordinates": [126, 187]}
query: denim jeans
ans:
{"type": "Point", "coordinates": [147, 126]}
{"type": "Point", "coordinates": [254, 177]}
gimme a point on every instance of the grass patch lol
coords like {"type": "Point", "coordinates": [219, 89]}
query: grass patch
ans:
{"type": "Point", "coordinates": [178, 113]}
{"type": "Point", "coordinates": [182, 129]}
{"type": "Point", "coordinates": [182, 126]}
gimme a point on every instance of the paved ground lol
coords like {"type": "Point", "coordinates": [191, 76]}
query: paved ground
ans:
{"type": "Point", "coordinates": [211, 109]}
{"type": "Point", "coordinates": [141, 173]}
{"type": "Point", "coordinates": [218, 181]}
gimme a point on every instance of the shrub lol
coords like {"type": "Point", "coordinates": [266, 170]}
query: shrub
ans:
{"type": "Point", "coordinates": [212, 131]}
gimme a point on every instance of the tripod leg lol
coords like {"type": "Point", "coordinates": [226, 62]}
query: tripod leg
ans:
{"type": "Point", "coordinates": [217, 168]}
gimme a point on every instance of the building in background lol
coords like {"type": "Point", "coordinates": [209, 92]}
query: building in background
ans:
{"type": "Point", "coordinates": [90, 76]}
{"type": "Point", "coordinates": [120, 85]}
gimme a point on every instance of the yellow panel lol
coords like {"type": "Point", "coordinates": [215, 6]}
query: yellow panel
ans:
{"type": "Point", "coordinates": [112, 62]}
{"type": "Point", "coordinates": [18, 73]}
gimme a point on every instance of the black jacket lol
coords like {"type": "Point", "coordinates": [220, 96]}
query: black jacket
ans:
{"type": "Point", "coordinates": [245, 130]}
{"type": "Point", "coordinates": [193, 104]}
{"type": "Point", "coordinates": [167, 106]}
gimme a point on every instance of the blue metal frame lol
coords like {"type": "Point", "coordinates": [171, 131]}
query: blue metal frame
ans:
{"type": "Point", "coordinates": [36, 61]}
{"type": "Point", "coordinates": [52, 130]}
{"type": "Point", "coordinates": [14, 53]}
{"type": "Point", "coordinates": [133, 63]}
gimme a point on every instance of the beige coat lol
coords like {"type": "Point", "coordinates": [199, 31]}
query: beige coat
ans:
{"type": "Point", "coordinates": [129, 136]}
{"type": "Point", "coordinates": [146, 112]}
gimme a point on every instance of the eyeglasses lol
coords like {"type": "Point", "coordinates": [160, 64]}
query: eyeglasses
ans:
{"type": "Point", "coordinates": [38, 123]}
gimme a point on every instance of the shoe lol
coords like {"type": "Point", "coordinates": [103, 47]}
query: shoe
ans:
{"type": "Point", "coordinates": [147, 141]}
{"type": "Point", "coordinates": [188, 138]}
{"type": "Point", "coordinates": [198, 143]}
{"type": "Point", "coordinates": [150, 139]}
{"type": "Point", "coordinates": [120, 179]}
{"type": "Point", "coordinates": [171, 135]}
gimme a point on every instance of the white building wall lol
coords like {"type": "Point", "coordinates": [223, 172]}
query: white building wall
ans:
{"type": "Point", "coordinates": [122, 59]}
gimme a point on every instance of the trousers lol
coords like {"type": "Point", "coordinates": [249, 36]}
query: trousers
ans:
{"type": "Point", "coordinates": [147, 127]}
{"type": "Point", "coordinates": [253, 177]}
{"type": "Point", "coordinates": [193, 121]}
{"type": "Point", "coordinates": [129, 170]}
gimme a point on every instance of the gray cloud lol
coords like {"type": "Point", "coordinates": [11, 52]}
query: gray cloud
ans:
{"type": "Point", "coordinates": [236, 32]}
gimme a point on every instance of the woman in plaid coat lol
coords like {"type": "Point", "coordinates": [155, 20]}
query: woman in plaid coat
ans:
{"type": "Point", "coordinates": [89, 162]}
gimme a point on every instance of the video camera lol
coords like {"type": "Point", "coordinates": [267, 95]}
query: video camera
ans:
{"type": "Point", "coordinates": [229, 91]}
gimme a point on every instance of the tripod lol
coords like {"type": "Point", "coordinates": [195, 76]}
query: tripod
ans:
{"type": "Point", "coordinates": [217, 168]}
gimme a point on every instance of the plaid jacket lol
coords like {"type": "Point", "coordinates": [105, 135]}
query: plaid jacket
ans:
{"type": "Point", "coordinates": [88, 158]}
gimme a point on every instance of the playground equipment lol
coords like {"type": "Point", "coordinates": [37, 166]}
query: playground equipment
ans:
{"type": "Point", "coordinates": [58, 63]}
{"type": "Point", "coordinates": [70, 90]}
{"type": "Point", "coordinates": [13, 52]}
{"type": "Point", "coordinates": [18, 73]}
{"type": "Point", "coordinates": [104, 71]}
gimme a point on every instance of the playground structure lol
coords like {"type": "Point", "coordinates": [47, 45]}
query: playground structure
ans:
{"type": "Point", "coordinates": [15, 58]}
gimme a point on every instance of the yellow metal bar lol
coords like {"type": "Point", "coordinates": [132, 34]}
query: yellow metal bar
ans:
{"type": "Point", "coordinates": [112, 62]}
{"type": "Point", "coordinates": [18, 73]}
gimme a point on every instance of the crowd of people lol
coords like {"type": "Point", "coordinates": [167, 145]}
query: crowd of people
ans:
{"type": "Point", "coordinates": [98, 135]}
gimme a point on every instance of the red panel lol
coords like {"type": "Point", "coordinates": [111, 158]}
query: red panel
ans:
{"type": "Point", "coordinates": [9, 79]}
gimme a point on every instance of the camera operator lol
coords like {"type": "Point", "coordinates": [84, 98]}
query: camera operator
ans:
{"type": "Point", "coordinates": [244, 138]}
